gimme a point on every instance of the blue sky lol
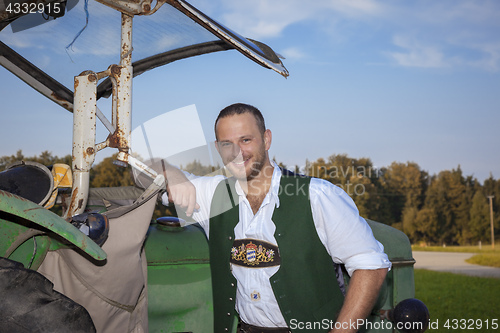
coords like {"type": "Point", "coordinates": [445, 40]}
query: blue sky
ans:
{"type": "Point", "coordinates": [389, 80]}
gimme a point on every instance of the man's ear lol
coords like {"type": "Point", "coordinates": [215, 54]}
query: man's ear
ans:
{"type": "Point", "coordinates": [268, 137]}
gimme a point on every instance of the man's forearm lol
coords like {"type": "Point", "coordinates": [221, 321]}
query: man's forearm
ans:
{"type": "Point", "coordinates": [361, 296]}
{"type": "Point", "coordinates": [180, 190]}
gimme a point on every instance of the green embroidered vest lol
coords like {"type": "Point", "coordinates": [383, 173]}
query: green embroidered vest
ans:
{"type": "Point", "coordinates": [305, 285]}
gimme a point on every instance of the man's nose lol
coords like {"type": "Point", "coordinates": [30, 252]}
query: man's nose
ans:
{"type": "Point", "coordinates": [236, 153]}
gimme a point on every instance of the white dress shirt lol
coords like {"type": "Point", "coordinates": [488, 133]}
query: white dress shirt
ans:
{"type": "Point", "coordinates": [346, 236]}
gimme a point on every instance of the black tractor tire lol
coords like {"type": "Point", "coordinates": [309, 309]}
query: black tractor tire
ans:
{"type": "Point", "coordinates": [30, 304]}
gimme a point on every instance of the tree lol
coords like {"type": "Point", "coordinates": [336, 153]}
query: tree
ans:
{"type": "Point", "coordinates": [411, 224]}
{"type": "Point", "coordinates": [463, 211]}
{"type": "Point", "coordinates": [427, 226]}
{"type": "Point", "coordinates": [198, 169]}
{"type": "Point", "coordinates": [492, 187]}
{"type": "Point", "coordinates": [107, 174]}
{"type": "Point", "coordinates": [358, 178]}
{"type": "Point", "coordinates": [405, 185]}
{"type": "Point", "coordinates": [445, 196]}
{"type": "Point", "coordinates": [6, 160]}
{"type": "Point", "coordinates": [479, 228]}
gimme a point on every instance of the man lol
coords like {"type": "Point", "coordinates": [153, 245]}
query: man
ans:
{"type": "Point", "coordinates": [273, 236]}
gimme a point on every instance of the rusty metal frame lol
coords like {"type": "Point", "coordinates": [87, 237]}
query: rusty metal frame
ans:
{"type": "Point", "coordinates": [84, 129]}
{"type": "Point", "coordinates": [118, 82]}
{"type": "Point", "coordinates": [129, 7]}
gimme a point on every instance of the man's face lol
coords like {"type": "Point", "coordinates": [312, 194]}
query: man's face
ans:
{"type": "Point", "coordinates": [242, 146]}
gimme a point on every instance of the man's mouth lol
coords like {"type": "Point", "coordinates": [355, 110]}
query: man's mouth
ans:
{"type": "Point", "coordinates": [240, 163]}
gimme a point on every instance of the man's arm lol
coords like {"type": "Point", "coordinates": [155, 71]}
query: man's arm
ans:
{"type": "Point", "coordinates": [361, 296]}
{"type": "Point", "coordinates": [179, 189]}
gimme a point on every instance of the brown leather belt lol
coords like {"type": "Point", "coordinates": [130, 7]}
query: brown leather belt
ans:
{"type": "Point", "coordinates": [247, 328]}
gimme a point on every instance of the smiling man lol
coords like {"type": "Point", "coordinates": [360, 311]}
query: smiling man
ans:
{"type": "Point", "coordinates": [277, 239]}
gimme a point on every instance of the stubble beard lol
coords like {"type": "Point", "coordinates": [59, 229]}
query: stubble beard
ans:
{"type": "Point", "coordinates": [255, 168]}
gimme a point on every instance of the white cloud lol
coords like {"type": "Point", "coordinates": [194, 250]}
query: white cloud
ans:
{"type": "Point", "coordinates": [356, 8]}
{"type": "Point", "coordinates": [265, 18]}
{"type": "Point", "coordinates": [293, 53]}
{"type": "Point", "coordinates": [431, 54]}
{"type": "Point", "coordinates": [417, 54]}
{"type": "Point", "coordinates": [491, 57]}
{"type": "Point", "coordinates": [459, 33]}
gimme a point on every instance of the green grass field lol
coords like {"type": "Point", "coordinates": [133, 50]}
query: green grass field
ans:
{"type": "Point", "coordinates": [459, 303]}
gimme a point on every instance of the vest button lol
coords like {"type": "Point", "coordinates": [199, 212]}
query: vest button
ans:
{"type": "Point", "coordinates": [232, 284]}
{"type": "Point", "coordinates": [230, 237]}
{"type": "Point", "coordinates": [228, 314]}
{"type": "Point", "coordinates": [226, 329]}
{"type": "Point", "coordinates": [231, 299]}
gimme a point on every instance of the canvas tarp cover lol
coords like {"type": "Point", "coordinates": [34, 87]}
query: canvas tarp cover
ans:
{"type": "Point", "coordinates": [114, 293]}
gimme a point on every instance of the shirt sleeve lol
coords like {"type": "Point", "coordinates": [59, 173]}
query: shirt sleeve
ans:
{"type": "Point", "coordinates": [205, 189]}
{"type": "Point", "coordinates": [346, 236]}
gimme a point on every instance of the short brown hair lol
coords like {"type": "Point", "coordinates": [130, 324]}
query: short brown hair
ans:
{"type": "Point", "coordinates": [241, 108]}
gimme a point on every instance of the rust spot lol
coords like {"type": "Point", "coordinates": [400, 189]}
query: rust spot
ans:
{"type": "Point", "coordinates": [35, 208]}
{"type": "Point", "coordinates": [11, 195]}
{"type": "Point", "coordinates": [92, 77]}
{"type": "Point", "coordinates": [115, 70]}
{"type": "Point", "coordinates": [57, 97]}
{"type": "Point", "coordinates": [7, 194]}
{"type": "Point", "coordinates": [87, 72]}
{"type": "Point", "coordinates": [113, 140]}
{"type": "Point", "coordinates": [117, 140]}
{"type": "Point", "coordinates": [90, 150]}
{"type": "Point", "coordinates": [73, 198]}
{"type": "Point", "coordinates": [73, 195]}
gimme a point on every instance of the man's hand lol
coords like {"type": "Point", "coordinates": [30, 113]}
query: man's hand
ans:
{"type": "Point", "coordinates": [180, 190]}
{"type": "Point", "coordinates": [183, 195]}
{"type": "Point", "coordinates": [362, 294]}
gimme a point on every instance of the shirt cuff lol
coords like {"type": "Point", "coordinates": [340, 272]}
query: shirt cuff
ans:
{"type": "Point", "coordinates": [368, 261]}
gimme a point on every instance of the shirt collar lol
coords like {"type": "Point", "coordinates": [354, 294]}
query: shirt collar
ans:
{"type": "Point", "coordinates": [275, 185]}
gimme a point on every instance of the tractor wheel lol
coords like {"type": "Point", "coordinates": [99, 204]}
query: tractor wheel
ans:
{"type": "Point", "coordinates": [30, 304]}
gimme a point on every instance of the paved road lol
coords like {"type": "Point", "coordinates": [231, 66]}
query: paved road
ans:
{"type": "Point", "coordinates": [452, 262]}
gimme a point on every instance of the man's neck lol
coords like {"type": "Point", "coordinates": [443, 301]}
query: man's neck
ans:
{"type": "Point", "coordinates": [259, 185]}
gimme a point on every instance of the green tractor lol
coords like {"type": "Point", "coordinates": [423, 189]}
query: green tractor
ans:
{"type": "Point", "coordinates": [111, 266]}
